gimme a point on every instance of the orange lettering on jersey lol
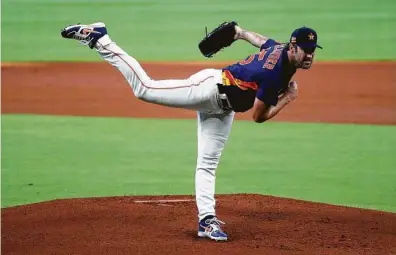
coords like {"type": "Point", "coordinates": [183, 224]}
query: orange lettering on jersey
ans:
{"type": "Point", "coordinates": [269, 66]}
{"type": "Point", "coordinates": [262, 54]}
{"type": "Point", "coordinates": [273, 57]}
{"type": "Point", "coordinates": [247, 61]}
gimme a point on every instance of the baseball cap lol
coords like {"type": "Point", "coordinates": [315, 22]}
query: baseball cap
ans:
{"type": "Point", "coordinates": [305, 37]}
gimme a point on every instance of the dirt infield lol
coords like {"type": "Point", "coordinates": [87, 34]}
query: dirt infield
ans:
{"type": "Point", "coordinates": [257, 225]}
{"type": "Point", "coordinates": [330, 92]}
{"type": "Point", "coordinates": [338, 93]}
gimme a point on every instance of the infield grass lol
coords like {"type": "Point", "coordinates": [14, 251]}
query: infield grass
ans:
{"type": "Point", "coordinates": [49, 157]}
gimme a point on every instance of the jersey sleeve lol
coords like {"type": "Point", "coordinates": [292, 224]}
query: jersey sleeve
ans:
{"type": "Point", "coordinates": [267, 93]}
{"type": "Point", "coordinates": [269, 43]}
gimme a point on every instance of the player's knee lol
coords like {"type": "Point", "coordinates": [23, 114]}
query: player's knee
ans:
{"type": "Point", "coordinates": [206, 170]}
{"type": "Point", "coordinates": [139, 94]}
{"type": "Point", "coordinates": [209, 161]}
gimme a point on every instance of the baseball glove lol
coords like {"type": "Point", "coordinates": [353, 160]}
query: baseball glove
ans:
{"type": "Point", "coordinates": [221, 37]}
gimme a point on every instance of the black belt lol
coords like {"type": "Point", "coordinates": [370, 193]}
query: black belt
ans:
{"type": "Point", "coordinates": [225, 103]}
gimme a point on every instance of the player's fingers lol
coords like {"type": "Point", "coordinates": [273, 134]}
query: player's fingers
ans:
{"type": "Point", "coordinates": [293, 84]}
{"type": "Point", "coordinates": [238, 32]}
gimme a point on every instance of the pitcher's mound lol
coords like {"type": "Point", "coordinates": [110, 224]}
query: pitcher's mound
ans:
{"type": "Point", "coordinates": [256, 224]}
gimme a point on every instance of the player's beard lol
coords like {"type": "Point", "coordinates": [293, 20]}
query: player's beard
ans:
{"type": "Point", "coordinates": [306, 63]}
{"type": "Point", "coordinates": [297, 63]}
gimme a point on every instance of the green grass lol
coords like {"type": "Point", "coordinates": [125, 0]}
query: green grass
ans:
{"type": "Point", "coordinates": [171, 29]}
{"type": "Point", "coordinates": [48, 157]}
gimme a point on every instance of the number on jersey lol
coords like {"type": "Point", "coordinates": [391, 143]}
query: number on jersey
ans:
{"type": "Point", "coordinates": [271, 60]}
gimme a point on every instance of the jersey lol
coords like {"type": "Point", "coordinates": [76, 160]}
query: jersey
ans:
{"type": "Point", "coordinates": [264, 75]}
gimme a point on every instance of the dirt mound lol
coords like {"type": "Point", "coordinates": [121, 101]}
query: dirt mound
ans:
{"type": "Point", "coordinates": [256, 224]}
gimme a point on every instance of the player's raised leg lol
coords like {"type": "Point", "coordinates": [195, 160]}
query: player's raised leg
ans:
{"type": "Point", "coordinates": [213, 131]}
{"type": "Point", "coordinates": [197, 92]}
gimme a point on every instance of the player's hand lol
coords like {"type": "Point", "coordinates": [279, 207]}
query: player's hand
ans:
{"type": "Point", "coordinates": [238, 32]}
{"type": "Point", "coordinates": [292, 91]}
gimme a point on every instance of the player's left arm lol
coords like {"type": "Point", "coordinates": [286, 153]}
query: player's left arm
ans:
{"type": "Point", "coordinates": [263, 112]}
{"type": "Point", "coordinates": [252, 37]}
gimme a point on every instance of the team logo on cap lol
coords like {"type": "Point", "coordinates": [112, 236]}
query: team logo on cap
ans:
{"type": "Point", "coordinates": [311, 36]}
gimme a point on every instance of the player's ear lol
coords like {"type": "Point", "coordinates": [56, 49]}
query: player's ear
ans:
{"type": "Point", "coordinates": [291, 48]}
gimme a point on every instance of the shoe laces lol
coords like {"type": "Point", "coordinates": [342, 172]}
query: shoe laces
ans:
{"type": "Point", "coordinates": [84, 39]}
{"type": "Point", "coordinates": [216, 222]}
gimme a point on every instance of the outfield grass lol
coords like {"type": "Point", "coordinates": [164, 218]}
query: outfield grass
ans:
{"type": "Point", "coordinates": [171, 29]}
{"type": "Point", "coordinates": [49, 157]}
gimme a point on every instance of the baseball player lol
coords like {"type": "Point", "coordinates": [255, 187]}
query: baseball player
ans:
{"type": "Point", "coordinates": [262, 82]}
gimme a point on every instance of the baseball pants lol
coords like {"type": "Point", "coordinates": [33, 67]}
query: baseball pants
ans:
{"type": "Point", "coordinates": [198, 92]}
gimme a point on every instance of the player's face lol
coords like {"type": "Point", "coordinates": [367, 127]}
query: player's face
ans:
{"type": "Point", "coordinates": [303, 58]}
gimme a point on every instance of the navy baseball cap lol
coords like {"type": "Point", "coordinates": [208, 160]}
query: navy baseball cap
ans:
{"type": "Point", "coordinates": [305, 37]}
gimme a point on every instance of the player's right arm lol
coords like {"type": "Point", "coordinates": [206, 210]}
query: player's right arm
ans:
{"type": "Point", "coordinates": [263, 111]}
{"type": "Point", "coordinates": [254, 38]}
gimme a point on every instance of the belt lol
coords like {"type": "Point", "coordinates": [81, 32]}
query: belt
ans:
{"type": "Point", "coordinates": [225, 103]}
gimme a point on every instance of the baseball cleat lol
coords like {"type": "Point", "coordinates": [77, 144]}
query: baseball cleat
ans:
{"type": "Point", "coordinates": [85, 34]}
{"type": "Point", "coordinates": [210, 228]}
